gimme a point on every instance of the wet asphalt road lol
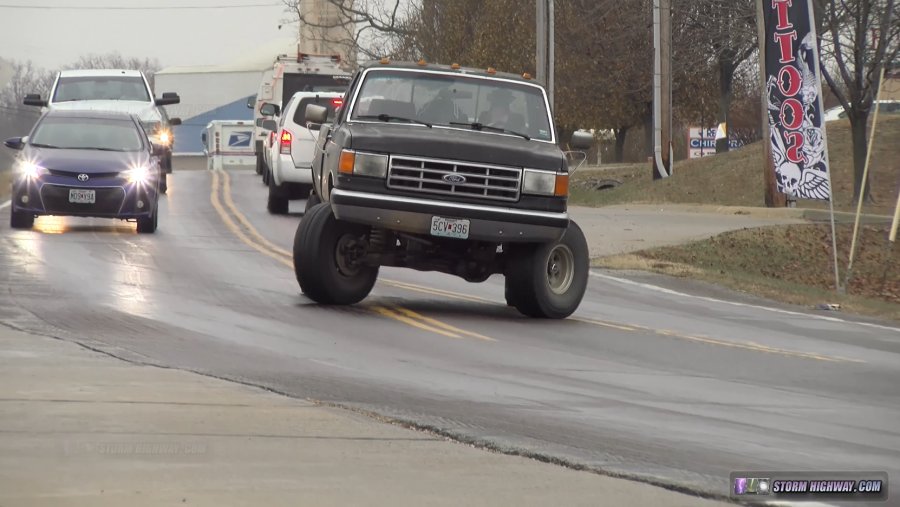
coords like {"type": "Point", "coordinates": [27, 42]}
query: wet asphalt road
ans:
{"type": "Point", "coordinates": [674, 388]}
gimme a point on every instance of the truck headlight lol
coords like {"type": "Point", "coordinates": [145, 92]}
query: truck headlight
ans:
{"type": "Point", "coordinates": [545, 183]}
{"type": "Point", "coordinates": [363, 164]}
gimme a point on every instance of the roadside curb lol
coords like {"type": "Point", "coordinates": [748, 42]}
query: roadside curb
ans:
{"type": "Point", "coordinates": [812, 215]}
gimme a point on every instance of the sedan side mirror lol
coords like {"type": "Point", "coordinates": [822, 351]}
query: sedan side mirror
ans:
{"type": "Point", "coordinates": [168, 99]}
{"type": "Point", "coordinates": [316, 114]}
{"type": "Point", "coordinates": [582, 140]}
{"type": "Point", "coordinates": [34, 99]}
{"type": "Point", "coordinates": [269, 109]}
{"type": "Point", "coordinates": [16, 143]}
{"type": "Point", "coordinates": [270, 125]}
{"type": "Point", "coordinates": [175, 122]}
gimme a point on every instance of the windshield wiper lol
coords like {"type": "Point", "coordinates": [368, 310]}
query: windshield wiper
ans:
{"type": "Point", "coordinates": [41, 145]}
{"type": "Point", "coordinates": [387, 117]}
{"type": "Point", "coordinates": [89, 148]}
{"type": "Point", "coordinates": [481, 126]}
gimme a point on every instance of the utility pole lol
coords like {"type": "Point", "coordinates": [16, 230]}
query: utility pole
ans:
{"type": "Point", "coordinates": [662, 89]}
{"type": "Point", "coordinates": [773, 198]}
{"type": "Point", "coordinates": [546, 46]}
{"type": "Point", "coordinates": [540, 65]}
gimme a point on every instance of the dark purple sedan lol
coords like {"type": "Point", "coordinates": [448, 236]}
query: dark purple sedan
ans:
{"type": "Point", "coordinates": [88, 164]}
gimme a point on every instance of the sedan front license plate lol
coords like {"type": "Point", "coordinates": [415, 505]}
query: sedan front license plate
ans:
{"type": "Point", "coordinates": [79, 196]}
{"type": "Point", "coordinates": [450, 227]}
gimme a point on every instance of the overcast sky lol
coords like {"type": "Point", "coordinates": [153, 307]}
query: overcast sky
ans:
{"type": "Point", "coordinates": [173, 34]}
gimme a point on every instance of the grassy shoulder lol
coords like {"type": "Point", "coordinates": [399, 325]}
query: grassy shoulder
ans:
{"type": "Point", "coordinates": [4, 185]}
{"type": "Point", "coordinates": [790, 263]}
{"type": "Point", "coordinates": [736, 178]}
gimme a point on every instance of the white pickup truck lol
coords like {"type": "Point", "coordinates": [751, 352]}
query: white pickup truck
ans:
{"type": "Point", "coordinates": [289, 154]}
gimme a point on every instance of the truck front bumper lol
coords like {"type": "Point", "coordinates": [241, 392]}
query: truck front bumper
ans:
{"type": "Point", "coordinates": [412, 215]}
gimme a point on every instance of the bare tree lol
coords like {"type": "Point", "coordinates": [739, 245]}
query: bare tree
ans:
{"type": "Point", "coordinates": [857, 38]}
{"type": "Point", "coordinates": [26, 78]}
{"type": "Point", "coordinates": [371, 28]}
{"type": "Point", "coordinates": [716, 36]}
{"type": "Point", "coordinates": [149, 66]}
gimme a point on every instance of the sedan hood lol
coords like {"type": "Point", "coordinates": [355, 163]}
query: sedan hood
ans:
{"type": "Point", "coordinates": [456, 144]}
{"type": "Point", "coordinates": [84, 161]}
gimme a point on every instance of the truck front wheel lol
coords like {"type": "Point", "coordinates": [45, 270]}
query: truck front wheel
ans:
{"type": "Point", "coordinates": [549, 280]}
{"type": "Point", "coordinates": [328, 256]}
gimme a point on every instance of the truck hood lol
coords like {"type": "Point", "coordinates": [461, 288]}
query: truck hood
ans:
{"type": "Point", "coordinates": [141, 109]}
{"type": "Point", "coordinates": [84, 161]}
{"type": "Point", "coordinates": [455, 144]}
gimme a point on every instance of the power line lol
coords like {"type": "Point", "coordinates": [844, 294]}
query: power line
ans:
{"type": "Point", "coordinates": [134, 8]}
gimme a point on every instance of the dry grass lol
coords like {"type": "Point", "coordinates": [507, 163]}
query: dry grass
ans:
{"type": "Point", "coordinates": [735, 178]}
{"type": "Point", "coordinates": [786, 263]}
{"type": "Point", "coordinates": [4, 185]}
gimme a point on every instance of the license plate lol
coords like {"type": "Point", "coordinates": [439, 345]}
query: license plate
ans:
{"type": "Point", "coordinates": [450, 227]}
{"type": "Point", "coordinates": [79, 196]}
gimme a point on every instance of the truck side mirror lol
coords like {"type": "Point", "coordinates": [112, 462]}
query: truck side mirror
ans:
{"type": "Point", "coordinates": [582, 140]}
{"type": "Point", "coordinates": [270, 125]}
{"type": "Point", "coordinates": [34, 99]}
{"type": "Point", "coordinates": [268, 109]}
{"type": "Point", "coordinates": [168, 99]}
{"type": "Point", "coordinates": [316, 114]}
{"type": "Point", "coordinates": [175, 122]}
{"type": "Point", "coordinates": [251, 102]}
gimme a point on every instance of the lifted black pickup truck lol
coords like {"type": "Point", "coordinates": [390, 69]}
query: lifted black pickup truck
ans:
{"type": "Point", "coordinates": [442, 168]}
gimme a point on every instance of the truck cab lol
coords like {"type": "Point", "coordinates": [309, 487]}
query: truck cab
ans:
{"type": "Point", "coordinates": [442, 168]}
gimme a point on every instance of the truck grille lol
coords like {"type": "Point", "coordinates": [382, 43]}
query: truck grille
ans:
{"type": "Point", "coordinates": [431, 176]}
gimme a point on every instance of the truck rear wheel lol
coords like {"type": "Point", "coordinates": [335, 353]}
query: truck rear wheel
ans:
{"type": "Point", "coordinates": [328, 257]}
{"type": "Point", "coordinates": [549, 280]}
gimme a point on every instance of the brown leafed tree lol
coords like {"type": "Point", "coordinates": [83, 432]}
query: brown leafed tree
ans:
{"type": "Point", "coordinates": [857, 38]}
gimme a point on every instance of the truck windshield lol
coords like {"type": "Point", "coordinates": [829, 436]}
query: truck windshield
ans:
{"type": "Point", "coordinates": [87, 134]}
{"type": "Point", "coordinates": [101, 88]}
{"type": "Point", "coordinates": [492, 105]}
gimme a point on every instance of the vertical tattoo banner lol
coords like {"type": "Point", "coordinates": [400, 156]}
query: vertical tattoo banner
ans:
{"type": "Point", "coordinates": [794, 98]}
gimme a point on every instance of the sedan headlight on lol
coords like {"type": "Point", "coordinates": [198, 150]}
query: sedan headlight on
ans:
{"type": "Point", "coordinates": [137, 174]}
{"type": "Point", "coordinates": [545, 183]}
{"type": "Point", "coordinates": [29, 170]}
{"type": "Point", "coordinates": [363, 164]}
{"type": "Point", "coordinates": [165, 137]}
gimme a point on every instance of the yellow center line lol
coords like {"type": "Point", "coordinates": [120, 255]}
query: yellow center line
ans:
{"type": "Point", "coordinates": [438, 292]}
{"type": "Point", "coordinates": [229, 223]}
{"type": "Point", "coordinates": [266, 247]}
{"type": "Point", "coordinates": [604, 323]}
{"type": "Point", "coordinates": [392, 314]}
{"type": "Point", "coordinates": [444, 325]}
{"type": "Point", "coordinates": [226, 191]}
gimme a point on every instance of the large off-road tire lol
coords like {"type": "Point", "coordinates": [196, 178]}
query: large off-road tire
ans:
{"type": "Point", "coordinates": [549, 280]}
{"type": "Point", "coordinates": [311, 201]}
{"type": "Point", "coordinates": [324, 263]}
{"type": "Point", "coordinates": [278, 202]}
{"type": "Point", "coordinates": [20, 220]}
{"type": "Point", "coordinates": [147, 225]}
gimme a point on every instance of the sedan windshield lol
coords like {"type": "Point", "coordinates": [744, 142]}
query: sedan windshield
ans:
{"type": "Point", "coordinates": [491, 105]}
{"type": "Point", "coordinates": [101, 88]}
{"type": "Point", "coordinates": [87, 134]}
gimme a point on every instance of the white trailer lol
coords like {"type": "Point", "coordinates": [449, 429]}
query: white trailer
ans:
{"type": "Point", "coordinates": [292, 74]}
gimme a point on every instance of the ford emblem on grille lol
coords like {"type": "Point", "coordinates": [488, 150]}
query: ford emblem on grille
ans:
{"type": "Point", "coordinates": [454, 178]}
{"type": "Point", "coordinates": [83, 177]}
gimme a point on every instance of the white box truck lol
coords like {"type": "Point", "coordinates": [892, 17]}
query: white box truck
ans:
{"type": "Point", "coordinates": [291, 74]}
